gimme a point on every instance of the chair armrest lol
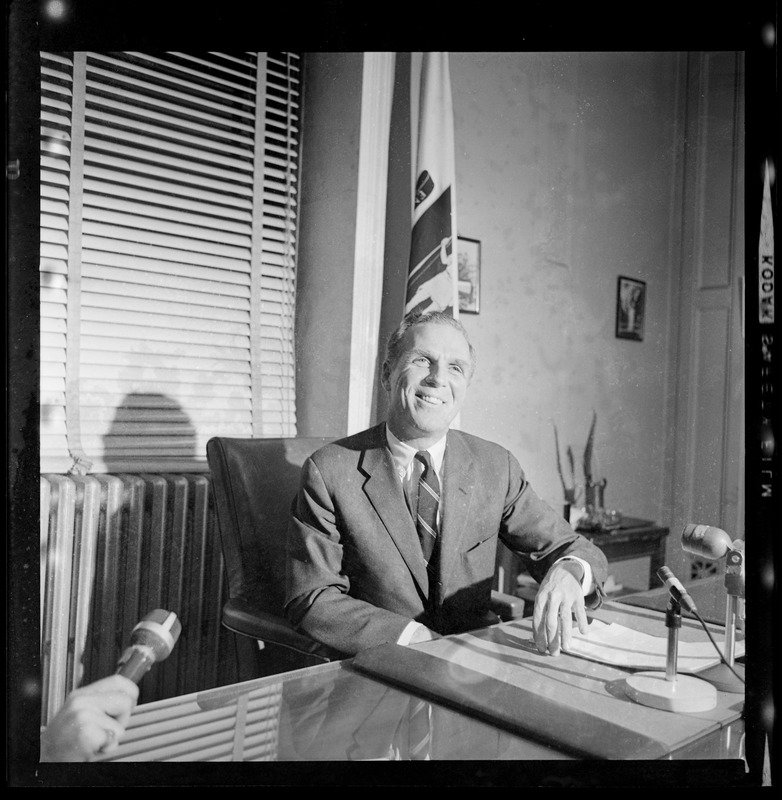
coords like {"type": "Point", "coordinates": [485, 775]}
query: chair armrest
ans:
{"type": "Point", "coordinates": [507, 606]}
{"type": "Point", "coordinates": [246, 618]}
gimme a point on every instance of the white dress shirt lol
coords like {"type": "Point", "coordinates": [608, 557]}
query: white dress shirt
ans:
{"type": "Point", "coordinates": [409, 471]}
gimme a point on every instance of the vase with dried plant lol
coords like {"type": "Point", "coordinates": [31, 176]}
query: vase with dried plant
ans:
{"type": "Point", "coordinates": [592, 515]}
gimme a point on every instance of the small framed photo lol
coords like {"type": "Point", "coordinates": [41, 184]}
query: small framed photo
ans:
{"type": "Point", "coordinates": [469, 254]}
{"type": "Point", "coordinates": [630, 308]}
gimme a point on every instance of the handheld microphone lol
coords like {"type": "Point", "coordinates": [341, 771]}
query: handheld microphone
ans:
{"type": "Point", "coordinates": [151, 640]}
{"type": "Point", "coordinates": [705, 541]}
{"type": "Point", "coordinates": [676, 589]}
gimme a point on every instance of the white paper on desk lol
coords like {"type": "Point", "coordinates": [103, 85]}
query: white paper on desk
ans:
{"type": "Point", "coordinates": [624, 647]}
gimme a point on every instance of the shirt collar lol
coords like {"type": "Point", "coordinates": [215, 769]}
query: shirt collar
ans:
{"type": "Point", "coordinates": [403, 454]}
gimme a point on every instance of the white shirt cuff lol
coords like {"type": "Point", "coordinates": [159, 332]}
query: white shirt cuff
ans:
{"type": "Point", "coordinates": [586, 581]}
{"type": "Point", "coordinates": [407, 633]}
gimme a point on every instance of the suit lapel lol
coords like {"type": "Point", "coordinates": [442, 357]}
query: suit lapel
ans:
{"type": "Point", "coordinates": [384, 490]}
{"type": "Point", "coordinates": [458, 483]}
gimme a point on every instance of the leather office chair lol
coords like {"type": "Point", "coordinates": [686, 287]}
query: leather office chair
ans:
{"type": "Point", "coordinates": [254, 482]}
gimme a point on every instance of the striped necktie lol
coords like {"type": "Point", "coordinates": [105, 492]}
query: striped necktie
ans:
{"type": "Point", "coordinates": [428, 503]}
{"type": "Point", "coordinates": [420, 730]}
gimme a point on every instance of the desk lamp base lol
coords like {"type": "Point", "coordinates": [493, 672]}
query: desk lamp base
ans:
{"type": "Point", "coordinates": [722, 679]}
{"type": "Point", "coordinates": [684, 694]}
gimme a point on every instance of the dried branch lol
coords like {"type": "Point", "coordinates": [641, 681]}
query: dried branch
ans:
{"type": "Point", "coordinates": [568, 491]}
{"type": "Point", "coordinates": [559, 461]}
{"type": "Point", "coordinates": [588, 449]}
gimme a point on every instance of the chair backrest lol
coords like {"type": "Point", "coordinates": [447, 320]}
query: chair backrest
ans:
{"type": "Point", "coordinates": [254, 483]}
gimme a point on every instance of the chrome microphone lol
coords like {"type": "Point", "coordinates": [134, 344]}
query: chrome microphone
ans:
{"type": "Point", "coordinates": [706, 541]}
{"type": "Point", "coordinates": [152, 640]}
{"type": "Point", "coordinates": [676, 589]}
{"type": "Point", "coordinates": [712, 544]}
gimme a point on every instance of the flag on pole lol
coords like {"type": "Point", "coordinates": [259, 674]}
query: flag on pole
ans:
{"type": "Point", "coordinates": [432, 281]}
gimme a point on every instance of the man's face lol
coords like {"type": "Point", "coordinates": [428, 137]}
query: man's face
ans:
{"type": "Point", "coordinates": [428, 382]}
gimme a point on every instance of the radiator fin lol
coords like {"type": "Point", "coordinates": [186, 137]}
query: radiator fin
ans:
{"type": "Point", "coordinates": [113, 548]}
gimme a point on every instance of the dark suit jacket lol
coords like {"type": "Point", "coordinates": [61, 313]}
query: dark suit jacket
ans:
{"type": "Point", "coordinates": [355, 573]}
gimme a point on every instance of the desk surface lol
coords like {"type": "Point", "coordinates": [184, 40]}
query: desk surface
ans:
{"type": "Point", "coordinates": [335, 712]}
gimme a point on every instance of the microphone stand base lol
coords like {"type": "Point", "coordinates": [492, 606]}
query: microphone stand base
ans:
{"type": "Point", "coordinates": [684, 694]}
{"type": "Point", "coordinates": [722, 679]}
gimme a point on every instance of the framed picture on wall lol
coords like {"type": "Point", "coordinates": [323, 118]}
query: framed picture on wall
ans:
{"type": "Point", "coordinates": [469, 255]}
{"type": "Point", "coordinates": [630, 308]}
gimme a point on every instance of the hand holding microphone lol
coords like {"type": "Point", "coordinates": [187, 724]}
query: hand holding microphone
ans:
{"type": "Point", "coordinates": [90, 722]}
{"type": "Point", "coordinates": [94, 717]}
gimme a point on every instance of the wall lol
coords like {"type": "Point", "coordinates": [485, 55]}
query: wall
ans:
{"type": "Point", "coordinates": [330, 141]}
{"type": "Point", "coordinates": [565, 173]}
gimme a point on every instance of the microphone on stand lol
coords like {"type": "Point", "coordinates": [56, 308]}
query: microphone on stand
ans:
{"type": "Point", "coordinates": [669, 691]}
{"type": "Point", "coordinates": [706, 541]}
{"type": "Point", "coordinates": [152, 640]}
{"type": "Point", "coordinates": [712, 544]}
{"type": "Point", "coordinates": [676, 589]}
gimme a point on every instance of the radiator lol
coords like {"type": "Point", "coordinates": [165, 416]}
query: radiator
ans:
{"type": "Point", "coordinates": [113, 548]}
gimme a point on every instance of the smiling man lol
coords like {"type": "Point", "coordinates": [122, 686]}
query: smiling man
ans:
{"type": "Point", "coordinates": [394, 531]}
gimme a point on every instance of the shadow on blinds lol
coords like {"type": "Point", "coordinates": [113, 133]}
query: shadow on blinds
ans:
{"type": "Point", "coordinates": [149, 425]}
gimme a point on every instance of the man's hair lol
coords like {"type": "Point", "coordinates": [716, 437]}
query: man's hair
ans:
{"type": "Point", "coordinates": [394, 344]}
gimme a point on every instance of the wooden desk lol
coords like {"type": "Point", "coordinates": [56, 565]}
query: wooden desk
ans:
{"type": "Point", "coordinates": [334, 712]}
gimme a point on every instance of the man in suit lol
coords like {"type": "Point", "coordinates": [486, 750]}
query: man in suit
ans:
{"type": "Point", "coordinates": [357, 575]}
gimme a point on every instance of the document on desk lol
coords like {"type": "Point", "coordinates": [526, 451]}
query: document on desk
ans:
{"type": "Point", "coordinates": [612, 643]}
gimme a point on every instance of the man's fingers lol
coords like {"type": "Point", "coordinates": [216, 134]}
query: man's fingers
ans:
{"type": "Point", "coordinates": [565, 627]}
{"type": "Point", "coordinates": [538, 628]}
{"type": "Point", "coordinates": [552, 623]}
{"type": "Point", "coordinates": [581, 618]}
{"type": "Point", "coordinates": [115, 696]}
{"type": "Point", "coordinates": [541, 641]}
{"type": "Point", "coordinates": [559, 600]}
{"type": "Point", "coordinates": [545, 623]}
{"type": "Point", "coordinates": [113, 735]}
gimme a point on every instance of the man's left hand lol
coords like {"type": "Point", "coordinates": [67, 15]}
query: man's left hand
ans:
{"type": "Point", "coordinates": [560, 598]}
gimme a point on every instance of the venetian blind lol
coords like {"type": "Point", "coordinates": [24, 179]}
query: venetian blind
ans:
{"type": "Point", "coordinates": [168, 223]}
